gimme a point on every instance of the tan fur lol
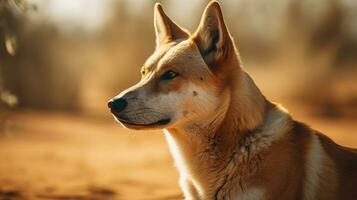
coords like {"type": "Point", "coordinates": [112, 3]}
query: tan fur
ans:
{"type": "Point", "coordinates": [227, 140]}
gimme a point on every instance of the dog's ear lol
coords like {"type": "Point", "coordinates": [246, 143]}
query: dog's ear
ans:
{"type": "Point", "coordinates": [165, 29]}
{"type": "Point", "coordinates": [212, 36]}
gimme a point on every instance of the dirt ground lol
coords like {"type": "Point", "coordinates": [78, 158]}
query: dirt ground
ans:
{"type": "Point", "coordinates": [61, 156]}
{"type": "Point", "coordinates": [64, 156]}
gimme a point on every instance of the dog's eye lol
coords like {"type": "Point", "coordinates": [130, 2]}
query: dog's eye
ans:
{"type": "Point", "coordinates": [143, 72]}
{"type": "Point", "coordinates": [169, 75]}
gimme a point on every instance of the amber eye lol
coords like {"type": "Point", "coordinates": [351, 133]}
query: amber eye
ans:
{"type": "Point", "coordinates": [143, 72]}
{"type": "Point", "coordinates": [169, 75]}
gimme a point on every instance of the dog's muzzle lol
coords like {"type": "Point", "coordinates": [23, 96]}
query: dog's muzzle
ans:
{"type": "Point", "coordinates": [118, 105]}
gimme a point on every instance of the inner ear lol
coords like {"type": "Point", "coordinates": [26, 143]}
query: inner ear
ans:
{"type": "Point", "coordinates": [212, 37]}
{"type": "Point", "coordinates": [212, 45]}
{"type": "Point", "coordinates": [166, 30]}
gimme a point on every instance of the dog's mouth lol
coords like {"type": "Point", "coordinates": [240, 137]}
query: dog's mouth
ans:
{"type": "Point", "coordinates": [129, 124]}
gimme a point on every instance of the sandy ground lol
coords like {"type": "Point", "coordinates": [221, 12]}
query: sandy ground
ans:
{"type": "Point", "coordinates": [63, 156]}
{"type": "Point", "coordinates": [60, 156]}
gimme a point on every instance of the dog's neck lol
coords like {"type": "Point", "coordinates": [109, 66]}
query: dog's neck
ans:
{"type": "Point", "coordinates": [208, 145]}
{"type": "Point", "coordinates": [243, 109]}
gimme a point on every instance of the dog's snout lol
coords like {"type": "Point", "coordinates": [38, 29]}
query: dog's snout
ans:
{"type": "Point", "coordinates": [117, 105]}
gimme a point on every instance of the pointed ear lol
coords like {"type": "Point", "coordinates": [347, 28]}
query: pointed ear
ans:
{"type": "Point", "coordinates": [165, 29]}
{"type": "Point", "coordinates": [212, 37]}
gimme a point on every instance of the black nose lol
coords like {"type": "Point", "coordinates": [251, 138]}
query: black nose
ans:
{"type": "Point", "coordinates": [117, 105]}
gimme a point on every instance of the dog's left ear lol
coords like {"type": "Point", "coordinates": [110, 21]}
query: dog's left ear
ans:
{"type": "Point", "coordinates": [165, 29]}
{"type": "Point", "coordinates": [212, 36]}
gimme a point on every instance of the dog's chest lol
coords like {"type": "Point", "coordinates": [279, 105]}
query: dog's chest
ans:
{"type": "Point", "coordinates": [251, 194]}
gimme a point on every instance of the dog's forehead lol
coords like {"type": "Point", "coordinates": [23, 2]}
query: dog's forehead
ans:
{"type": "Point", "coordinates": [172, 53]}
{"type": "Point", "coordinates": [179, 54]}
{"type": "Point", "coordinates": [152, 61]}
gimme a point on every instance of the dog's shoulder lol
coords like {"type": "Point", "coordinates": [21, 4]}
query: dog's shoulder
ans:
{"type": "Point", "coordinates": [345, 162]}
{"type": "Point", "coordinates": [330, 169]}
{"type": "Point", "coordinates": [337, 150]}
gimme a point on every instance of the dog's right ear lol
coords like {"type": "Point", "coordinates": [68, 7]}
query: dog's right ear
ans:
{"type": "Point", "coordinates": [212, 36]}
{"type": "Point", "coordinates": [165, 29]}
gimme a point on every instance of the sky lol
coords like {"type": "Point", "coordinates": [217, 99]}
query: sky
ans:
{"type": "Point", "coordinates": [86, 14]}
{"type": "Point", "coordinates": [90, 15]}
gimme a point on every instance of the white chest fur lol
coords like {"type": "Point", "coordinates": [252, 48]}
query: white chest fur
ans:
{"type": "Point", "coordinates": [251, 194]}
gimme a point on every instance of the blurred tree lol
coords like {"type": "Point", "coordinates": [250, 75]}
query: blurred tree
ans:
{"type": "Point", "coordinates": [10, 22]}
{"type": "Point", "coordinates": [45, 71]}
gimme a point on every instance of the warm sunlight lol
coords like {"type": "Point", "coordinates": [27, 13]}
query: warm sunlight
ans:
{"type": "Point", "coordinates": [62, 62]}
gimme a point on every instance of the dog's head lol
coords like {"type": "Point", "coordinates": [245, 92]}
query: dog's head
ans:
{"type": "Point", "coordinates": [185, 79]}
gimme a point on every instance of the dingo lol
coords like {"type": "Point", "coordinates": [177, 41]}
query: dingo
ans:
{"type": "Point", "coordinates": [228, 141]}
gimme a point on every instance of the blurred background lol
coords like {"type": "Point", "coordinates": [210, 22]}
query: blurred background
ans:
{"type": "Point", "coordinates": [61, 60]}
